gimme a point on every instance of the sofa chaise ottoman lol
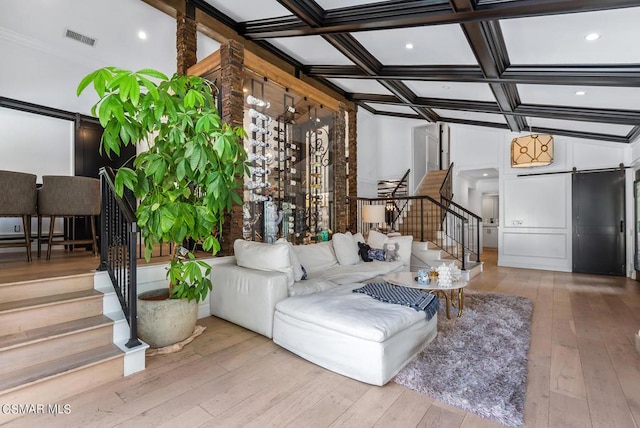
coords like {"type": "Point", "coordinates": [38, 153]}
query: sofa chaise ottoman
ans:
{"type": "Point", "coordinates": [351, 333]}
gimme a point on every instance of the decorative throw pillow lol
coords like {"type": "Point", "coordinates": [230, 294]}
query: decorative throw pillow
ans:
{"type": "Point", "coordinates": [316, 257]}
{"type": "Point", "coordinates": [346, 248]}
{"type": "Point", "coordinates": [364, 251]}
{"type": "Point", "coordinates": [376, 239]}
{"type": "Point", "coordinates": [295, 264]}
{"type": "Point", "coordinates": [376, 254]}
{"type": "Point", "coordinates": [404, 247]}
{"type": "Point", "coordinates": [391, 251]}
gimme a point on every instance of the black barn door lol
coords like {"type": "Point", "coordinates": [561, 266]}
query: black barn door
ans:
{"type": "Point", "coordinates": [599, 223]}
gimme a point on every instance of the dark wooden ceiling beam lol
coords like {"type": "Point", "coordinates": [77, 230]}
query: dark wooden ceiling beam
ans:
{"type": "Point", "coordinates": [375, 98]}
{"type": "Point", "coordinates": [621, 75]}
{"type": "Point", "coordinates": [216, 14]}
{"type": "Point", "coordinates": [398, 114]}
{"type": "Point", "coordinates": [487, 44]}
{"type": "Point", "coordinates": [307, 11]}
{"type": "Point", "coordinates": [475, 123]}
{"type": "Point", "coordinates": [414, 13]}
{"type": "Point", "coordinates": [441, 103]}
{"type": "Point", "coordinates": [352, 49]}
{"type": "Point", "coordinates": [618, 117]}
{"type": "Point", "coordinates": [313, 15]}
{"type": "Point", "coordinates": [634, 134]}
{"type": "Point", "coordinates": [335, 71]}
{"type": "Point", "coordinates": [581, 134]}
{"type": "Point", "coordinates": [449, 73]}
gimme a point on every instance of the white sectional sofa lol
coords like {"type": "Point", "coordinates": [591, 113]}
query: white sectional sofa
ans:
{"type": "Point", "coordinates": [247, 293]}
{"type": "Point", "coordinates": [316, 317]}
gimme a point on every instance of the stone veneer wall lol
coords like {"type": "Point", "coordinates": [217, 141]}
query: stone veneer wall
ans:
{"type": "Point", "coordinates": [353, 166]}
{"type": "Point", "coordinates": [230, 85]}
{"type": "Point", "coordinates": [186, 43]}
{"type": "Point", "coordinates": [340, 172]}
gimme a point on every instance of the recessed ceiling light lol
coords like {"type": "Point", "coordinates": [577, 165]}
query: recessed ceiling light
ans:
{"type": "Point", "coordinates": [485, 175]}
{"type": "Point", "coordinates": [142, 35]}
{"type": "Point", "coordinates": [592, 37]}
{"type": "Point", "coordinates": [580, 92]}
{"type": "Point", "coordinates": [409, 46]}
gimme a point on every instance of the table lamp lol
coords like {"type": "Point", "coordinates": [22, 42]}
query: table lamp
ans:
{"type": "Point", "coordinates": [373, 214]}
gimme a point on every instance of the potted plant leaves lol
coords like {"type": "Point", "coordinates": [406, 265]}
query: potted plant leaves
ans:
{"type": "Point", "coordinates": [188, 166]}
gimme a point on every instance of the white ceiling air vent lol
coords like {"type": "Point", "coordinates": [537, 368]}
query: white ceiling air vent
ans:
{"type": "Point", "coordinates": [80, 37]}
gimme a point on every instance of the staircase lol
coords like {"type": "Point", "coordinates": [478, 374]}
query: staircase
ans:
{"type": "Point", "coordinates": [59, 337]}
{"type": "Point", "coordinates": [427, 254]}
{"type": "Point", "coordinates": [431, 184]}
{"type": "Point", "coordinates": [435, 247]}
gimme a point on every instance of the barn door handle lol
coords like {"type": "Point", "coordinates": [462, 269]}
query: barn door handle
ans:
{"type": "Point", "coordinates": [621, 226]}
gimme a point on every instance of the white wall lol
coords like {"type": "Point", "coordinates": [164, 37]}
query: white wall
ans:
{"type": "Point", "coordinates": [394, 145]}
{"type": "Point", "coordinates": [535, 212]}
{"type": "Point", "coordinates": [535, 229]}
{"type": "Point", "coordinates": [367, 154]}
{"type": "Point", "coordinates": [37, 145]}
{"type": "Point", "coordinates": [384, 149]}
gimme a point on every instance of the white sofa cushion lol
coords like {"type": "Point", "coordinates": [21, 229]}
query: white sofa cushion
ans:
{"type": "Point", "coordinates": [247, 297]}
{"type": "Point", "coordinates": [311, 286]}
{"type": "Point", "coordinates": [351, 313]}
{"type": "Point", "coordinates": [358, 337]}
{"type": "Point", "coordinates": [316, 257]}
{"type": "Point", "coordinates": [341, 274]}
{"type": "Point", "coordinates": [346, 248]}
{"type": "Point", "coordinates": [295, 263]}
{"type": "Point", "coordinates": [376, 239]}
{"type": "Point", "coordinates": [266, 257]}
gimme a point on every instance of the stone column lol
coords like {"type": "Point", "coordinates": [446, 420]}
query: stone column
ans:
{"type": "Point", "coordinates": [232, 97]}
{"type": "Point", "coordinates": [186, 43]}
{"type": "Point", "coordinates": [353, 165]}
{"type": "Point", "coordinates": [340, 171]}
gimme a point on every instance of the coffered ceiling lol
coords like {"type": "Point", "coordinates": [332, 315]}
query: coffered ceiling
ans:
{"type": "Point", "coordinates": [511, 64]}
{"type": "Point", "coordinates": [506, 64]}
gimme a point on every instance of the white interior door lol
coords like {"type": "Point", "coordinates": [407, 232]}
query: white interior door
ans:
{"type": "Point", "coordinates": [433, 144]}
{"type": "Point", "coordinates": [419, 167]}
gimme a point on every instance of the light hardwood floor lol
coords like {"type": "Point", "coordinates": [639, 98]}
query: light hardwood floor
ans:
{"type": "Point", "coordinates": [584, 371]}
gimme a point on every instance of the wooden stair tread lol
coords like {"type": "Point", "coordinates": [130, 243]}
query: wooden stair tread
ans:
{"type": "Point", "coordinates": [89, 276]}
{"type": "Point", "coordinates": [53, 368]}
{"type": "Point", "coordinates": [49, 300]}
{"type": "Point", "coordinates": [31, 289]}
{"type": "Point", "coordinates": [52, 331]}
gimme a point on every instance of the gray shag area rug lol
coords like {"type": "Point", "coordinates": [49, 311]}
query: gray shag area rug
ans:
{"type": "Point", "coordinates": [478, 362]}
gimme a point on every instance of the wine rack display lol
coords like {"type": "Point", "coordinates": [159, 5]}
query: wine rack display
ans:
{"type": "Point", "coordinates": [288, 188]}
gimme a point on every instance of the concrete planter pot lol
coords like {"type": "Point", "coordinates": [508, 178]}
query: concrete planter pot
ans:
{"type": "Point", "coordinates": [167, 321]}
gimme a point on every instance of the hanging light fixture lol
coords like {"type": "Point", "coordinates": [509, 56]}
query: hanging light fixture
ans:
{"type": "Point", "coordinates": [532, 150]}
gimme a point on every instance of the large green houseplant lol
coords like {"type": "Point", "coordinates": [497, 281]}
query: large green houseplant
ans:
{"type": "Point", "coordinates": [188, 166]}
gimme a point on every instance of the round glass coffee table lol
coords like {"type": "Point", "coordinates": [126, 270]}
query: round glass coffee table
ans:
{"type": "Point", "coordinates": [408, 279]}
